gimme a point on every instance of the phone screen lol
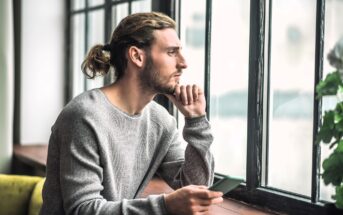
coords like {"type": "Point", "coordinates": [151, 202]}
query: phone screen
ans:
{"type": "Point", "coordinates": [226, 184]}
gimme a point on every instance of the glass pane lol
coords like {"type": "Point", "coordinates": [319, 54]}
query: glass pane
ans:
{"type": "Point", "coordinates": [141, 6]}
{"type": "Point", "coordinates": [291, 95]}
{"type": "Point", "coordinates": [118, 13]}
{"type": "Point", "coordinates": [78, 4]}
{"type": "Point", "coordinates": [192, 31]}
{"type": "Point", "coordinates": [229, 96]}
{"type": "Point", "coordinates": [77, 52]}
{"type": "Point", "coordinates": [333, 32]}
{"type": "Point", "coordinates": [92, 3]}
{"type": "Point", "coordinates": [96, 35]}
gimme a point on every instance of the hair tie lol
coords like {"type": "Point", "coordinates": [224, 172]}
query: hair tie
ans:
{"type": "Point", "coordinates": [107, 47]}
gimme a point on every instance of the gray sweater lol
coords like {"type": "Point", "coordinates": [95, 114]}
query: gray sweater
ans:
{"type": "Point", "coordinates": [100, 159]}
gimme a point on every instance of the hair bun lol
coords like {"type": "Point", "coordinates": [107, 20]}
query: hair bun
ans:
{"type": "Point", "coordinates": [107, 47]}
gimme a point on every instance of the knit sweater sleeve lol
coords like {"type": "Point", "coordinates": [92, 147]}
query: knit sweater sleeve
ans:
{"type": "Point", "coordinates": [81, 176]}
{"type": "Point", "coordinates": [195, 165]}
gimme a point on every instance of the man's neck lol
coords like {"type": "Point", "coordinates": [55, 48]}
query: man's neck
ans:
{"type": "Point", "coordinates": [128, 96]}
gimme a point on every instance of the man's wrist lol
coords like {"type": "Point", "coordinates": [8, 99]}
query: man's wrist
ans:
{"type": "Point", "coordinates": [194, 115]}
{"type": "Point", "coordinates": [166, 203]}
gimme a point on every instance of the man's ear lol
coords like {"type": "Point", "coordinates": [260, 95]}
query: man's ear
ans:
{"type": "Point", "coordinates": [136, 56]}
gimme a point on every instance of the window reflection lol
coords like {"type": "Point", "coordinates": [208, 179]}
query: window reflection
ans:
{"type": "Point", "coordinates": [291, 95]}
{"type": "Point", "coordinates": [77, 53]}
{"type": "Point", "coordinates": [96, 31]}
{"type": "Point", "coordinates": [229, 85]}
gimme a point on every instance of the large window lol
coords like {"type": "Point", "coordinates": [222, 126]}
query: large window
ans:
{"type": "Point", "coordinates": [258, 62]}
{"type": "Point", "coordinates": [90, 25]}
{"type": "Point", "coordinates": [291, 95]}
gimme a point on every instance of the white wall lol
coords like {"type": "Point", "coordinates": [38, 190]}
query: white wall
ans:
{"type": "Point", "coordinates": [42, 68]}
{"type": "Point", "coordinates": [6, 84]}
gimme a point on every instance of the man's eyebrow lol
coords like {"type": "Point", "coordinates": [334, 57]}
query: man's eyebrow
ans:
{"type": "Point", "coordinates": [174, 48]}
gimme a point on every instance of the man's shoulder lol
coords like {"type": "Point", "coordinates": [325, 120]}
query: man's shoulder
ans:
{"type": "Point", "coordinates": [83, 105]}
{"type": "Point", "coordinates": [160, 115]}
{"type": "Point", "coordinates": [158, 110]}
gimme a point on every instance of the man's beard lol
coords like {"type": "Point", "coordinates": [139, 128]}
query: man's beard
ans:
{"type": "Point", "coordinates": [150, 79]}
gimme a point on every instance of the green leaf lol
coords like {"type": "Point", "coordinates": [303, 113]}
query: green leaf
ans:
{"type": "Point", "coordinates": [327, 130]}
{"type": "Point", "coordinates": [339, 148]}
{"type": "Point", "coordinates": [333, 169]}
{"type": "Point", "coordinates": [339, 126]}
{"type": "Point", "coordinates": [339, 197]}
{"type": "Point", "coordinates": [329, 85]}
{"type": "Point", "coordinates": [338, 117]}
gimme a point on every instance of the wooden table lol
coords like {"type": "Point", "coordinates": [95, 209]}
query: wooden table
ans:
{"type": "Point", "coordinates": [228, 207]}
{"type": "Point", "coordinates": [30, 159]}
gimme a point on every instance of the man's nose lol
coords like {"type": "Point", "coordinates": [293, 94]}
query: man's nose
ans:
{"type": "Point", "coordinates": [182, 62]}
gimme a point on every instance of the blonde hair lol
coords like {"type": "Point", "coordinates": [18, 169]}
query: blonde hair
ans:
{"type": "Point", "coordinates": [134, 30]}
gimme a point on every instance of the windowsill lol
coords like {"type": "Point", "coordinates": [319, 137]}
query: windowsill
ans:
{"type": "Point", "coordinates": [30, 159]}
{"type": "Point", "coordinates": [35, 157]}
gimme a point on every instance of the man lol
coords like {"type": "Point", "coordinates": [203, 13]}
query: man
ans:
{"type": "Point", "coordinates": [108, 143]}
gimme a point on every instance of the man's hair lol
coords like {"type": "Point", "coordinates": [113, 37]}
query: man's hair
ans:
{"type": "Point", "coordinates": [134, 30]}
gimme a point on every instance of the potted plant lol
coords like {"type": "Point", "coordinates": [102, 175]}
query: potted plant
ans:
{"type": "Point", "coordinates": [331, 130]}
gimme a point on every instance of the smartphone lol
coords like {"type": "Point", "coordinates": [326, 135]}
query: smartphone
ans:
{"type": "Point", "coordinates": [226, 184]}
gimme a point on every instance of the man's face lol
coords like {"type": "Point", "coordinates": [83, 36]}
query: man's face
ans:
{"type": "Point", "coordinates": [164, 64]}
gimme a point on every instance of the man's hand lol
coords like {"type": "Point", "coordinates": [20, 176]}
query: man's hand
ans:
{"type": "Point", "coordinates": [192, 200]}
{"type": "Point", "coordinates": [190, 100]}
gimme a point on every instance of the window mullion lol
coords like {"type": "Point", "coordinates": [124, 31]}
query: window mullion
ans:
{"type": "Point", "coordinates": [267, 100]}
{"type": "Point", "coordinates": [319, 47]}
{"type": "Point", "coordinates": [108, 31]}
{"type": "Point", "coordinates": [86, 39]}
{"type": "Point", "coordinates": [207, 79]}
{"type": "Point", "coordinates": [68, 91]}
{"type": "Point", "coordinates": [130, 6]}
{"type": "Point", "coordinates": [255, 94]}
{"type": "Point", "coordinates": [167, 7]}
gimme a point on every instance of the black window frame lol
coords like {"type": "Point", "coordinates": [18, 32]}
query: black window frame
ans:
{"type": "Point", "coordinates": [252, 191]}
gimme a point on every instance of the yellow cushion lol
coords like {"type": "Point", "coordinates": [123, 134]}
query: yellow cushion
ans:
{"type": "Point", "coordinates": [36, 198]}
{"type": "Point", "coordinates": [16, 193]}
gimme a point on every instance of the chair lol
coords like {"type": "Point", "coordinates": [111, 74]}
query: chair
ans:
{"type": "Point", "coordinates": [20, 195]}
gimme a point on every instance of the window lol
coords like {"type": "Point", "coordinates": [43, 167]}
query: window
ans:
{"type": "Point", "coordinates": [333, 32]}
{"type": "Point", "coordinates": [258, 66]}
{"type": "Point", "coordinates": [89, 26]}
{"type": "Point", "coordinates": [291, 96]}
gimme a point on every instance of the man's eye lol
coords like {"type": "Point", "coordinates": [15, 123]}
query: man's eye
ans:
{"type": "Point", "coordinates": [172, 52]}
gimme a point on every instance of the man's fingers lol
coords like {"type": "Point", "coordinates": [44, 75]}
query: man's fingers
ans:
{"type": "Point", "coordinates": [201, 187]}
{"type": "Point", "coordinates": [183, 94]}
{"type": "Point", "coordinates": [189, 94]}
{"type": "Point", "coordinates": [207, 194]}
{"type": "Point", "coordinates": [203, 192]}
{"type": "Point", "coordinates": [177, 92]}
{"type": "Point", "coordinates": [217, 200]}
{"type": "Point", "coordinates": [208, 202]}
{"type": "Point", "coordinates": [195, 91]}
